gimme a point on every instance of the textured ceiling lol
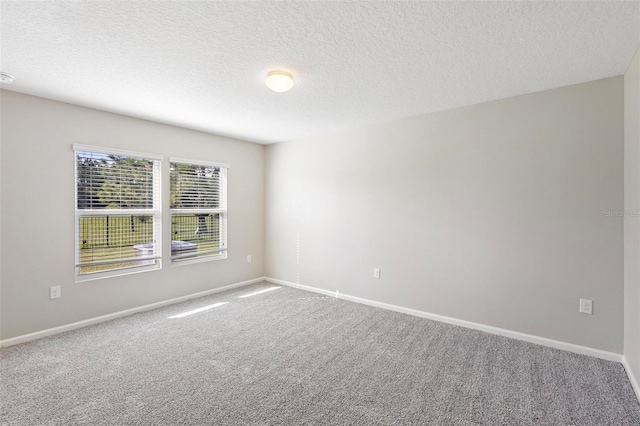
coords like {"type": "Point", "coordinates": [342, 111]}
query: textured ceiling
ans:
{"type": "Point", "coordinates": [202, 65]}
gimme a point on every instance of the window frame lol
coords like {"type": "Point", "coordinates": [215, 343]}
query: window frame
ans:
{"type": "Point", "coordinates": [222, 210]}
{"type": "Point", "coordinates": [155, 211]}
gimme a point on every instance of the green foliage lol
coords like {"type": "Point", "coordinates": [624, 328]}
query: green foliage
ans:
{"type": "Point", "coordinates": [127, 183]}
{"type": "Point", "coordinates": [113, 182]}
{"type": "Point", "coordinates": [120, 182]}
{"type": "Point", "coordinates": [194, 187]}
{"type": "Point", "coordinates": [88, 171]}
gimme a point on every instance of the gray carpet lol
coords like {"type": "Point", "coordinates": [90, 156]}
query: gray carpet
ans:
{"type": "Point", "coordinates": [292, 357]}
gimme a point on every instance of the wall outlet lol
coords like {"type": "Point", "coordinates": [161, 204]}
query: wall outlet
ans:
{"type": "Point", "coordinates": [376, 273]}
{"type": "Point", "coordinates": [55, 292]}
{"type": "Point", "coordinates": [249, 259]}
{"type": "Point", "coordinates": [586, 306]}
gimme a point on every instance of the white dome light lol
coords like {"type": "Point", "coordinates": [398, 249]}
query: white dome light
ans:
{"type": "Point", "coordinates": [279, 81]}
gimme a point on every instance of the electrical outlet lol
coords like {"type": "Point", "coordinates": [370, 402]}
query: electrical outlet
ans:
{"type": "Point", "coordinates": [55, 292]}
{"type": "Point", "coordinates": [249, 259]}
{"type": "Point", "coordinates": [586, 306]}
{"type": "Point", "coordinates": [376, 273]}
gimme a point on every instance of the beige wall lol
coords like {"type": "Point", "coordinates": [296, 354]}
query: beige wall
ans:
{"type": "Point", "coordinates": [38, 213]}
{"type": "Point", "coordinates": [631, 221]}
{"type": "Point", "coordinates": [493, 213]}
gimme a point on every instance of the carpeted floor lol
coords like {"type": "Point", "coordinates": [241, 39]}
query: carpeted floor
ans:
{"type": "Point", "coordinates": [291, 357]}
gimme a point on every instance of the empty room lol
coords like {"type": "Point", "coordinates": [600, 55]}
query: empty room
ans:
{"type": "Point", "coordinates": [324, 213]}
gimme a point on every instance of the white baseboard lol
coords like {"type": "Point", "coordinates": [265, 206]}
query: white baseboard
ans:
{"type": "Point", "coordinates": [68, 327]}
{"type": "Point", "coordinates": [632, 377]}
{"type": "Point", "coordinates": [583, 350]}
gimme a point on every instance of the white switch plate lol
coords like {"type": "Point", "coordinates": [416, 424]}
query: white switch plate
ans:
{"type": "Point", "coordinates": [376, 273]}
{"type": "Point", "coordinates": [249, 259]}
{"type": "Point", "coordinates": [55, 292]}
{"type": "Point", "coordinates": [586, 306]}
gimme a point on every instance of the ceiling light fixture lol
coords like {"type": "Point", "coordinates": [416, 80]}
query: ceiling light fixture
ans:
{"type": "Point", "coordinates": [279, 81]}
{"type": "Point", "coordinates": [6, 78]}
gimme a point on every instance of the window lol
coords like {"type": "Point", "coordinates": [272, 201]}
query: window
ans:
{"type": "Point", "coordinates": [118, 212]}
{"type": "Point", "coordinates": [198, 196]}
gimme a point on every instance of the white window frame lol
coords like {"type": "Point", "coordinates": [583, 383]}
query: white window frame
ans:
{"type": "Point", "coordinates": [155, 211]}
{"type": "Point", "coordinates": [222, 210]}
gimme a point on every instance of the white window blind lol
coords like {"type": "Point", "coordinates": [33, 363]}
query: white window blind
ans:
{"type": "Point", "coordinates": [118, 211]}
{"type": "Point", "coordinates": [198, 194]}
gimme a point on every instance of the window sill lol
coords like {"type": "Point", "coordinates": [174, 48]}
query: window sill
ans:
{"type": "Point", "coordinates": [183, 262]}
{"type": "Point", "coordinates": [117, 272]}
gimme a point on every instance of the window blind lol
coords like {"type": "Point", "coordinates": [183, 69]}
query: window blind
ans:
{"type": "Point", "coordinates": [118, 210]}
{"type": "Point", "coordinates": [198, 201]}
